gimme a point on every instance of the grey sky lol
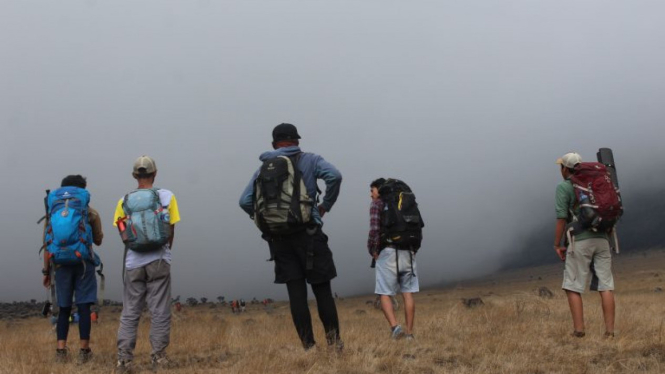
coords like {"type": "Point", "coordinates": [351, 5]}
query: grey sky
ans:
{"type": "Point", "coordinates": [469, 102]}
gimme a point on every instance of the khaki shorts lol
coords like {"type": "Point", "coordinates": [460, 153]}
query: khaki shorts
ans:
{"type": "Point", "coordinates": [578, 266]}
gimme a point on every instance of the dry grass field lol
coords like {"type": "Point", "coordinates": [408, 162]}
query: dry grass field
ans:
{"type": "Point", "coordinates": [515, 331]}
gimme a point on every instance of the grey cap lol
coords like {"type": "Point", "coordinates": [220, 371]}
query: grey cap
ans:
{"type": "Point", "coordinates": [146, 163]}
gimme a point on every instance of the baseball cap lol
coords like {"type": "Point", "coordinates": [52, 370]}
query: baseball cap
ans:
{"type": "Point", "coordinates": [285, 131]}
{"type": "Point", "coordinates": [569, 160]}
{"type": "Point", "coordinates": [146, 163]}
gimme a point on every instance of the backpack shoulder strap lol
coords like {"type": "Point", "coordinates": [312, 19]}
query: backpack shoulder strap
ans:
{"type": "Point", "coordinates": [124, 204]}
{"type": "Point", "coordinates": [297, 178]}
{"type": "Point", "coordinates": [297, 174]}
{"type": "Point", "coordinates": [155, 192]}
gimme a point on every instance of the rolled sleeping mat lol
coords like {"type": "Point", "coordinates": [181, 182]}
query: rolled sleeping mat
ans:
{"type": "Point", "coordinates": [606, 157]}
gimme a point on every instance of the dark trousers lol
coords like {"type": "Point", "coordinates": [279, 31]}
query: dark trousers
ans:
{"type": "Point", "coordinates": [301, 258]}
{"type": "Point", "coordinates": [85, 324]}
{"type": "Point", "coordinates": [302, 318]}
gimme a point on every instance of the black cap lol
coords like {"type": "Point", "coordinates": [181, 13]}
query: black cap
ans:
{"type": "Point", "coordinates": [284, 131]}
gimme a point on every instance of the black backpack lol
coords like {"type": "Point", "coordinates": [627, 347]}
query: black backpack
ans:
{"type": "Point", "coordinates": [401, 222]}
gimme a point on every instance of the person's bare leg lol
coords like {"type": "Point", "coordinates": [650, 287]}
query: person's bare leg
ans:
{"type": "Point", "coordinates": [576, 310]}
{"type": "Point", "coordinates": [409, 311]}
{"type": "Point", "coordinates": [387, 307]}
{"type": "Point", "coordinates": [607, 302]}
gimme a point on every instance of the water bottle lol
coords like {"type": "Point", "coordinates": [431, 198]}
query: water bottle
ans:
{"type": "Point", "coordinates": [588, 215]}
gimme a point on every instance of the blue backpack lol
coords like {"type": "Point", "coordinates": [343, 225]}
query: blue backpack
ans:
{"type": "Point", "coordinates": [68, 237]}
{"type": "Point", "coordinates": [147, 225]}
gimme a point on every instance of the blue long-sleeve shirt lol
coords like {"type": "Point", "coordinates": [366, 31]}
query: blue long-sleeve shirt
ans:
{"type": "Point", "coordinates": [312, 167]}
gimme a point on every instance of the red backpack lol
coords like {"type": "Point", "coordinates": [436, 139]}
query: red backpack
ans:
{"type": "Point", "coordinates": [598, 198]}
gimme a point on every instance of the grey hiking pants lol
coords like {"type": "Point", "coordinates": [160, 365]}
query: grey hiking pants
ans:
{"type": "Point", "coordinates": [149, 284]}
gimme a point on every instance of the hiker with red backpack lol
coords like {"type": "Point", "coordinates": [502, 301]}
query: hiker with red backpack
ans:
{"type": "Point", "coordinates": [282, 199]}
{"type": "Point", "coordinates": [146, 219]}
{"type": "Point", "coordinates": [588, 206]}
{"type": "Point", "coordinates": [394, 238]}
{"type": "Point", "coordinates": [71, 229]}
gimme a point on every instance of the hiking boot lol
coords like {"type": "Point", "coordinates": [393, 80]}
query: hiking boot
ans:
{"type": "Point", "coordinates": [85, 355]}
{"type": "Point", "coordinates": [160, 361]}
{"type": "Point", "coordinates": [61, 355]}
{"type": "Point", "coordinates": [336, 343]}
{"type": "Point", "coordinates": [397, 332]}
{"type": "Point", "coordinates": [577, 334]}
{"type": "Point", "coordinates": [124, 367]}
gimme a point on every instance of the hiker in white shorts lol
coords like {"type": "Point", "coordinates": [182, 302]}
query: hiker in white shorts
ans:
{"type": "Point", "coordinates": [396, 270]}
{"type": "Point", "coordinates": [587, 254]}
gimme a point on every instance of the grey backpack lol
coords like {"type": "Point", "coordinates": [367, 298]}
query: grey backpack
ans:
{"type": "Point", "coordinates": [281, 203]}
{"type": "Point", "coordinates": [147, 227]}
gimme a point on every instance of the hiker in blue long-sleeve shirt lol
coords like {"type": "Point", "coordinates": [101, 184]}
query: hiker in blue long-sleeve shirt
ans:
{"type": "Point", "coordinates": [282, 199]}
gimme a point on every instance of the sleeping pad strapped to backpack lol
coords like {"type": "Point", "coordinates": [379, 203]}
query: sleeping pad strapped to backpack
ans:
{"type": "Point", "coordinates": [401, 222]}
{"type": "Point", "coordinates": [281, 203]}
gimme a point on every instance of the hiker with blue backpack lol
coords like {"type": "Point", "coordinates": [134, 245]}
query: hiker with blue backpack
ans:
{"type": "Point", "coordinates": [146, 219]}
{"type": "Point", "coordinates": [282, 199]}
{"type": "Point", "coordinates": [588, 205]}
{"type": "Point", "coordinates": [71, 229]}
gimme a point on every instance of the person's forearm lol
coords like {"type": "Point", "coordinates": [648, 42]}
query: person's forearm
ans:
{"type": "Point", "coordinates": [333, 179]}
{"type": "Point", "coordinates": [373, 241]}
{"type": "Point", "coordinates": [171, 237]}
{"type": "Point", "coordinates": [46, 261]}
{"type": "Point", "coordinates": [559, 231]}
{"type": "Point", "coordinates": [97, 239]}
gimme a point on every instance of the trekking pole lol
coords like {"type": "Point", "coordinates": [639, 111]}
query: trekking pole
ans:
{"type": "Point", "coordinates": [54, 297]}
{"type": "Point", "coordinates": [102, 286]}
{"type": "Point", "coordinates": [50, 292]}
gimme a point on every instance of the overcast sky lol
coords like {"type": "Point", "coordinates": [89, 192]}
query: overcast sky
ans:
{"type": "Point", "coordinates": [470, 102]}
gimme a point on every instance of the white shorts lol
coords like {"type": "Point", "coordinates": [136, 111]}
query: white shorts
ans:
{"type": "Point", "coordinates": [387, 281]}
{"type": "Point", "coordinates": [578, 266]}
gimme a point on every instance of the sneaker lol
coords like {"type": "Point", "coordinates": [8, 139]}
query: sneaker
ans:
{"type": "Point", "coordinates": [397, 332]}
{"type": "Point", "coordinates": [409, 337]}
{"type": "Point", "coordinates": [85, 355]}
{"type": "Point", "coordinates": [160, 361]}
{"type": "Point", "coordinates": [123, 367]}
{"type": "Point", "coordinates": [61, 355]}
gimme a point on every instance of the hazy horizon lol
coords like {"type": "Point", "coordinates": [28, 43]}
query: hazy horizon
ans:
{"type": "Point", "coordinates": [470, 103]}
